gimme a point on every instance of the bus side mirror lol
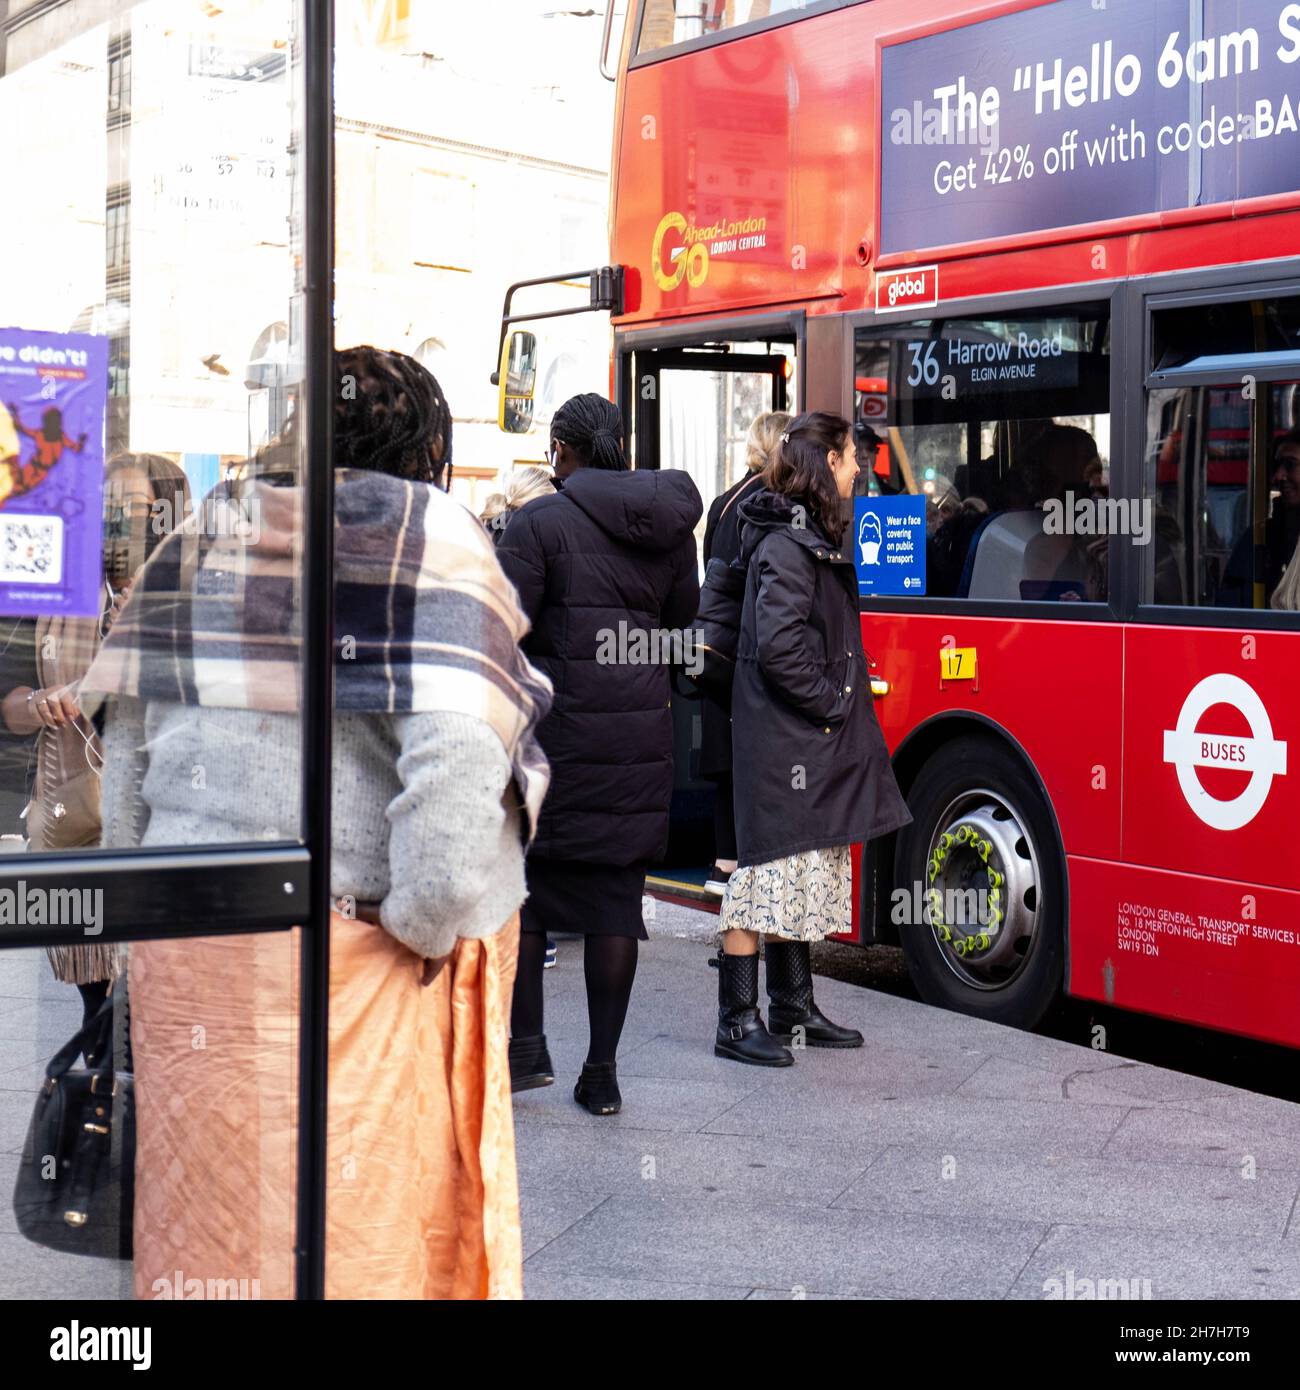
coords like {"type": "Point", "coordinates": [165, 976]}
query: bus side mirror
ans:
{"type": "Point", "coordinates": [517, 379]}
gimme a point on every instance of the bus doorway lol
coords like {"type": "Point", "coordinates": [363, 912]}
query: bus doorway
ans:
{"type": "Point", "coordinates": [692, 407]}
{"type": "Point", "coordinates": [689, 405]}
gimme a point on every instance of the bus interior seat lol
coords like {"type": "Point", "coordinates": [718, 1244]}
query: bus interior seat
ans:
{"type": "Point", "coordinates": [1010, 557]}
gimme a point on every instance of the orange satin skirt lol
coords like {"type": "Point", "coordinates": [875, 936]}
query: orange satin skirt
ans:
{"type": "Point", "coordinates": [422, 1195]}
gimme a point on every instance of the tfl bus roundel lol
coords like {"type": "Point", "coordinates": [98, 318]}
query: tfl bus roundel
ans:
{"type": "Point", "coordinates": [1261, 755]}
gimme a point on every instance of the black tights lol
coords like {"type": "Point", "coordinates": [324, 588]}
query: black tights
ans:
{"type": "Point", "coordinates": [609, 963]}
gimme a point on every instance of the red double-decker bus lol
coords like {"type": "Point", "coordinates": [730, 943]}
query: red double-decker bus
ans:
{"type": "Point", "coordinates": [1049, 251]}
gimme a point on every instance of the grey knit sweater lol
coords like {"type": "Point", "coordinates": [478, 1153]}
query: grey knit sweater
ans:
{"type": "Point", "coordinates": [425, 811]}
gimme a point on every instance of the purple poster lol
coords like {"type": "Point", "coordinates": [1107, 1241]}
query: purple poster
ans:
{"type": "Point", "coordinates": [1079, 111]}
{"type": "Point", "coordinates": [53, 397]}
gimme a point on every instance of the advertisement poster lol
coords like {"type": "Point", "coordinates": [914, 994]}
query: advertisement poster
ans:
{"type": "Point", "coordinates": [53, 399]}
{"type": "Point", "coordinates": [1079, 112]}
{"type": "Point", "coordinates": [889, 545]}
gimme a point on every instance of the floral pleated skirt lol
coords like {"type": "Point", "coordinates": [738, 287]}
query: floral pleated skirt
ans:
{"type": "Point", "coordinates": [803, 897]}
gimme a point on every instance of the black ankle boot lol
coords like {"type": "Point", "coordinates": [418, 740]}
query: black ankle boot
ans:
{"type": "Point", "coordinates": [741, 1034]}
{"type": "Point", "coordinates": [530, 1063]}
{"type": "Point", "coordinates": [597, 1088]}
{"type": "Point", "coordinates": [790, 998]}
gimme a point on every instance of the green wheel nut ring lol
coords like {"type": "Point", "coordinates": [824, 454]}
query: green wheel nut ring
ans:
{"type": "Point", "coordinates": [970, 943]}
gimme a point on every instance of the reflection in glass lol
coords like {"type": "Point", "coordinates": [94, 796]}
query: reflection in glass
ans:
{"type": "Point", "coordinates": [183, 1186]}
{"type": "Point", "coordinates": [1225, 472]}
{"type": "Point", "coordinates": [1223, 453]}
{"type": "Point", "coordinates": [160, 323]}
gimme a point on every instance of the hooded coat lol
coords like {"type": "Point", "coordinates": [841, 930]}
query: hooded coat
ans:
{"type": "Point", "coordinates": [813, 771]}
{"type": "Point", "coordinates": [602, 568]}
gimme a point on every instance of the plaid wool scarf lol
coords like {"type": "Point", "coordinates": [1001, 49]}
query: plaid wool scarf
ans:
{"type": "Point", "coordinates": [424, 619]}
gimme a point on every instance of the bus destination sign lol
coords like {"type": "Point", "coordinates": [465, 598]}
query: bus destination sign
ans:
{"type": "Point", "coordinates": [1074, 112]}
{"type": "Point", "coordinates": [967, 362]}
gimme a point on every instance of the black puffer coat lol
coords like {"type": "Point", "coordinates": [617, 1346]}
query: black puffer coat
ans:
{"type": "Point", "coordinates": [811, 768]}
{"type": "Point", "coordinates": [612, 548]}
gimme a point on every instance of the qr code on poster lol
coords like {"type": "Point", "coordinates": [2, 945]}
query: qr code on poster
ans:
{"type": "Point", "coordinates": [31, 549]}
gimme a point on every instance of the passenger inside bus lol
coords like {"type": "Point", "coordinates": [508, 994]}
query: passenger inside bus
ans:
{"type": "Point", "coordinates": [1281, 533]}
{"type": "Point", "coordinates": [1013, 554]}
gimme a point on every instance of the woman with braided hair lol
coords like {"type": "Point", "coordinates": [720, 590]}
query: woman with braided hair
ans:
{"type": "Point", "coordinates": [437, 784]}
{"type": "Point", "coordinates": [405, 430]}
{"type": "Point", "coordinates": [600, 566]}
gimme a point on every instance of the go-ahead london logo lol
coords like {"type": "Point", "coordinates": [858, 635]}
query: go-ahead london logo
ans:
{"type": "Point", "coordinates": [1261, 755]}
{"type": "Point", "coordinates": [682, 251]}
{"type": "Point", "coordinates": [687, 259]}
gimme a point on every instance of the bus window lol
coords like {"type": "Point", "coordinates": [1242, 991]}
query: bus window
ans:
{"type": "Point", "coordinates": [1223, 456]}
{"type": "Point", "coordinates": [1004, 426]}
{"type": "Point", "coordinates": [668, 22]}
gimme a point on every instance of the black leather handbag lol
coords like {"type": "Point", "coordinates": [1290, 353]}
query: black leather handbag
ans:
{"type": "Point", "coordinates": [75, 1190]}
{"type": "Point", "coordinates": [717, 627]}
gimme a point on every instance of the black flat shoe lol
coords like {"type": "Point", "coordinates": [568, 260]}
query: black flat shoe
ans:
{"type": "Point", "coordinates": [530, 1063]}
{"type": "Point", "coordinates": [597, 1089]}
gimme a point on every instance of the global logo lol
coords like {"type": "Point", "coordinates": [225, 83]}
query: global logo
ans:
{"type": "Point", "coordinates": [914, 288]}
{"type": "Point", "coordinates": [1260, 755]}
{"type": "Point", "coordinates": [906, 288]}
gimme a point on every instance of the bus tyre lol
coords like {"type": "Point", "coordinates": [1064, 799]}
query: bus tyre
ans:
{"type": "Point", "coordinates": [981, 866]}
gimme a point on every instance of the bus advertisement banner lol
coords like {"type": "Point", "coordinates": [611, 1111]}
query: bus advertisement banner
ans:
{"type": "Point", "coordinates": [1075, 113]}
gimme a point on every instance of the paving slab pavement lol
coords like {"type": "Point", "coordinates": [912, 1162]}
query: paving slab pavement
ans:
{"type": "Point", "coordinates": [949, 1158]}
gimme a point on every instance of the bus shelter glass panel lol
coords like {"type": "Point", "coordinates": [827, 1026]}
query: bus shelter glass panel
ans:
{"type": "Point", "coordinates": [1003, 425]}
{"type": "Point", "coordinates": [150, 634]}
{"type": "Point", "coordinates": [183, 1186]}
{"type": "Point", "coordinates": [149, 373]}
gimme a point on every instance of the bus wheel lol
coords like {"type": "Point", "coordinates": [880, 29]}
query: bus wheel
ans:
{"type": "Point", "coordinates": [982, 861]}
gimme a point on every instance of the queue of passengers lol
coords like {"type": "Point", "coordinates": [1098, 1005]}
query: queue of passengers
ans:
{"type": "Point", "coordinates": [466, 684]}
